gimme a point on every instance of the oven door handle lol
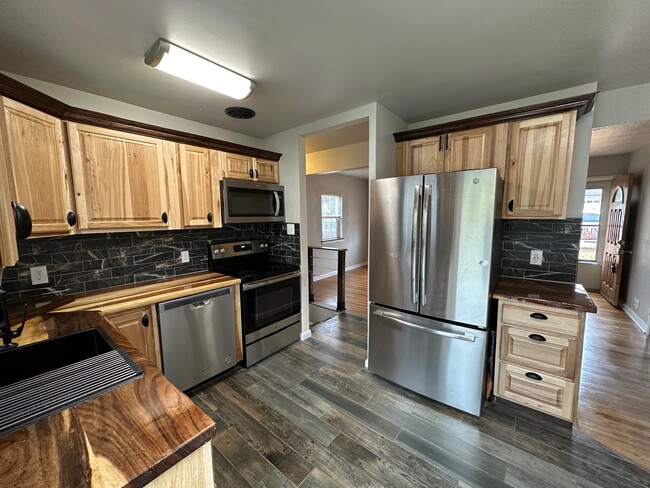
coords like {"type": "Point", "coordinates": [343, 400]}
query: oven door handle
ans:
{"type": "Point", "coordinates": [276, 211]}
{"type": "Point", "coordinates": [270, 281]}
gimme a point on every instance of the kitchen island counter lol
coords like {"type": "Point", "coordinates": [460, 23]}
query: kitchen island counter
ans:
{"type": "Point", "coordinates": [548, 293]}
{"type": "Point", "coordinates": [126, 437]}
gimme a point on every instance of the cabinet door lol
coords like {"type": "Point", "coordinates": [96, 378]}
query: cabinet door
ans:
{"type": "Point", "coordinates": [537, 182]}
{"type": "Point", "coordinates": [469, 149]}
{"type": "Point", "coordinates": [199, 189]}
{"type": "Point", "coordinates": [121, 180]}
{"type": "Point", "coordinates": [266, 171]}
{"type": "Point", "coordinates": [236, 166]}
{"type": "Point", "coordinates": [8, 245]}
{"type": "Point", "coordinates": [139, 326]}
{"type": "Point", "coordinates": [425, 155]}
{"type": "Point", "coordinates": [37, 166]}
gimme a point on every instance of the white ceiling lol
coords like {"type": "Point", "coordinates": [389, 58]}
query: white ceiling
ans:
{"type": "Point", "coordinates": [619, 139]}
{"type": "Point", "coordinates": [315, 58]}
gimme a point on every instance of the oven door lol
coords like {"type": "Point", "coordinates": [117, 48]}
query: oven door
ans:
{"type": "Point", "coordinates": [249, 201]}
{"type": "Point", "coordinates": [270, 305]}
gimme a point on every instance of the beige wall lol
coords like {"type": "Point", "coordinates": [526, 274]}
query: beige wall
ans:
{"type": "Point", "coordinates": [355, 219]}
{"type": "Point", "coordinates": [352, 156]}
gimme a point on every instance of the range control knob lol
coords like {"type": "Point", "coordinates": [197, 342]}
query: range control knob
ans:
{"type": "Point", "coordinates": [222, 251]}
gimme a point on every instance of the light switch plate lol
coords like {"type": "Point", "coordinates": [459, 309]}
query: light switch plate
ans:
{"type": "Point", "coordinates": [38, 275]}
{"type": "Point", "coordinates": [185, 256]}
{"type": "Point", "coordinates": [536, 257]}
{"type": "Point", "coordinates": [291, 229]}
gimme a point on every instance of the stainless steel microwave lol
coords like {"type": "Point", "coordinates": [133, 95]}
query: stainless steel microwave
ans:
{"type": "Point", "coordinates": [251, 201]}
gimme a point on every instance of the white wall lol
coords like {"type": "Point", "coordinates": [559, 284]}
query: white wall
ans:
{"type": "Point", "coordinates": [631, 104]}
{"type": "Point", "coordinates": [636, 277]}
{"type": "Point", "coordinates": [354, 193]}
{"type": "Point", "coordinates": [616, 164]}
{"type": "Point", "coordinates": [581, 141]}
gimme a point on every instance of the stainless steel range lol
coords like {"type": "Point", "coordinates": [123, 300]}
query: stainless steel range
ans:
{"type": "Point", "coordinates": [270, 296]}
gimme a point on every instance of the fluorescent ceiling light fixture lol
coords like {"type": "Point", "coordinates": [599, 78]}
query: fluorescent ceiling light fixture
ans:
{"type": "Point", "coordinates": [179, 62]}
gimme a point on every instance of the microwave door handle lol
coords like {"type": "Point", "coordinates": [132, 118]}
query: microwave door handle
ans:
{"type": "Point", "coordinates": [277, 204]}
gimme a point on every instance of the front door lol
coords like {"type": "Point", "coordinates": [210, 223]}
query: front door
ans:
{"type": "Point", "coordinates": [618, 216]}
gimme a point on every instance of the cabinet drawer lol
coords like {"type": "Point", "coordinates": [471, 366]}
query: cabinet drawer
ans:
{"type": "Point", "coordinates": [545, 352]}
{"type": "Point", "coordinates": [536, 389]}
{"type": "Point", "coordinates": [546, 320]}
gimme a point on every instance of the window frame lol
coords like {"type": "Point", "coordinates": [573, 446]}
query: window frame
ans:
{"type": "Point", "coordinates": [339, 218]}
{"type": "Point", "coordinates": [606, 185]}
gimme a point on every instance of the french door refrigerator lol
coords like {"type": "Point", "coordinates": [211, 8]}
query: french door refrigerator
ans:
{"type": "Point", "coordinates": [434, 256]}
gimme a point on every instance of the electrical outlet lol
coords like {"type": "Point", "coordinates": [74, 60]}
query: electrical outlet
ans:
{"type": "Point", "coordinates": [185, 256]}
{"type": "Point", "coordinates": [635, 304]}
{"type": "Point", "coordinates": [291, 229]}
{"type": "Point", "coordinates": [536, 257]}
{"type": "Point", "coordinates": [38, 275]}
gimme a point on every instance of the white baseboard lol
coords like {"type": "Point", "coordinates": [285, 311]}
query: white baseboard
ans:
{"type": "Point", "coordinates": [305, 335]}
{"type": "Point", "coordinates": [635, 318]}
{"type": "Point", "coordinates": [333, 273]}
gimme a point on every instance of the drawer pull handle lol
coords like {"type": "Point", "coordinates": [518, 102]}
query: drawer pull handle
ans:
{"type": "Point", "coordinates": [538, 316]}
{"type": "Point", "coordinates": [537, 337]}
{"type": "Point", "coordinates": [533, 376]}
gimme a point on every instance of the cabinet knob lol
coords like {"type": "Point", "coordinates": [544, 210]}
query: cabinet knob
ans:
{"type": "Point", "coordinates": [71, 218]}
{"type": "Point", "coordinates": [145, 320]}
{"type": "Point", "coordinates": [164, 217]}
{"type": "Point", "coordinates": [251, 174]}
{"type": "Point", "coordinates": [210, 217]}
{"type": "Point", "coordinates": [537, 337]}
{"type": "Point", "coordinates": [446, 142]}
{"type": "Point", "coordinates": [439, 143]}
{"type": "Point", "coordinates": [533, 376]}
{"type": "Point", "coordinates": [511, 205]}
{"type": "Point", "coordinates": [257, 174]}
{"type": "Point", "coordinates": [538, 316]}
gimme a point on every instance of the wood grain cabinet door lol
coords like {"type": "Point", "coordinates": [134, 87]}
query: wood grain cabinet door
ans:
{"type": "Point", "coordinates": [139, 326]}
{"type": "Point", "coordinates": [200, 199]}
{"type": "Point", "coordinates": [481, 148]}
{"type": "Point", "coordinates": [122, 181]}
{"type": "Point", "coordinates": [37, 167]}
{"type": "Point", "coordinates": [425, 155]}
{"type": "Point", "coordinates": [539, 167]}
{"type": "Point", "coordinates": [236, 166]}
{"type": "Point", "coordinates": [266, 171]}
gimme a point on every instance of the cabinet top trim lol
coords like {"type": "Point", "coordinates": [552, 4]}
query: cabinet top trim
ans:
{"type": "Point", "coordinates": [27, 95]}
{"type": "Point", "coordinates": [582, 104]}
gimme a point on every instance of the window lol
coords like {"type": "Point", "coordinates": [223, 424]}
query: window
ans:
{"type": "Point", "coordinates": [591, 215]}
{"type": "Point", "coordinates": [331, 211]}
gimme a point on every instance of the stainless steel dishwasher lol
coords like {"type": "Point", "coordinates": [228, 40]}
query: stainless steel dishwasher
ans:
{"type": "Point", "coordinates": [197, 336]}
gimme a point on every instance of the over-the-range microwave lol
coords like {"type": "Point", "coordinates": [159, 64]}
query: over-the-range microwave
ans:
{"type": "Point", "coordinates": [251, 201]}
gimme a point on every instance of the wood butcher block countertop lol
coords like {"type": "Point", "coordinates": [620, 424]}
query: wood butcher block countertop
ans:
{"type": "Point", "coordinates": [125, 437]}
{"type": "Point", "coordinates": [549, 293]}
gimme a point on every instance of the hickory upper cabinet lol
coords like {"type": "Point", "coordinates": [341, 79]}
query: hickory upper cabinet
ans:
{"type": "Point", "coordinates": [483, 147]}
{"type": "Point", "coordinates": [199, 186]}
{"type": "Point", "coordinates": [123, 180]}
{"type": "Point", "coordinates": [37, 167]}
{"type": "Point", "coordinates": [539, 166]}
{"type": "Point", "coordinates": [248, 168]}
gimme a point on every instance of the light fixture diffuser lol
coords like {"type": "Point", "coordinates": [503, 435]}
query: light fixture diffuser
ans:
{"type": "Point", "coordinates": [170, 58]}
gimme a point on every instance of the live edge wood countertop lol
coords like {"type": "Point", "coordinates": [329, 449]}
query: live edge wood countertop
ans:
{"type": "Point", "coordinates": [125, 437]}
{"type": "Point", "coordinates": [549, 293]}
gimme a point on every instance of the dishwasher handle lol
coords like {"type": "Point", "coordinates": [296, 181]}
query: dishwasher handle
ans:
{"type": "Point", "coordinates": [201, 304]}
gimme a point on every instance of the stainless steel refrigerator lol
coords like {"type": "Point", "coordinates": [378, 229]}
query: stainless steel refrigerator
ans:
{"type": "Point", "coordinates": [434, 256]}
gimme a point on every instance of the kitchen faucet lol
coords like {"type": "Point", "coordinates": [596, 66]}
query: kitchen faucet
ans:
{"type": "Point", "coordinates": [5, 324]}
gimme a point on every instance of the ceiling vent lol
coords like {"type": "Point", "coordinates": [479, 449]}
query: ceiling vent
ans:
{"type": "Point", "coordinates": [240, 113]}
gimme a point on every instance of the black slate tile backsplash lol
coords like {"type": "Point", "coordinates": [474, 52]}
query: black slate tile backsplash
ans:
{"type": "Point", "coordinates": [94, 261]}
{"type": "Point", "coordinates": [558, 239]}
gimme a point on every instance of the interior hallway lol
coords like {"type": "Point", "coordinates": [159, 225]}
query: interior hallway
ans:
{"type": "Point", "coordinates": [356, 291]}
{"type": "Point", "coordinates": [614, 404]}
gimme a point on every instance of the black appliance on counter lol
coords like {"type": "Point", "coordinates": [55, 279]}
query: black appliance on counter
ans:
{"type": "Point", "coordinates": [270, 296]}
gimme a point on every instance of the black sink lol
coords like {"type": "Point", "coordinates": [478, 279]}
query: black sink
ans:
{"type": "Point", "coordinates": [46, 377]}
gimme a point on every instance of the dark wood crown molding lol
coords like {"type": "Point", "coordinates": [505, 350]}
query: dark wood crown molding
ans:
{"type": "Point", "coordinates": [22, 93]}
{"type": "Point", "coordinates": [582, 104]}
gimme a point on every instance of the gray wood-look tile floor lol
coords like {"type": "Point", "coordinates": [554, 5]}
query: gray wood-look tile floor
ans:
{"type": "Point", "coordinates": [312, 416]}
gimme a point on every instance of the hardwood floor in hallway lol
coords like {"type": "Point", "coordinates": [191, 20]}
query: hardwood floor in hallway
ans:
{"type": "Point", "coordinates": [356, 291]}
{"type": "Point", "coordinates": [614, 403]}
{"type": "Point", "coordinates": [312, 416]}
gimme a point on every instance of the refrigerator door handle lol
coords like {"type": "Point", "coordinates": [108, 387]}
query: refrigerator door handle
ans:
{"type": "Point", "coordinates": [424, 244]}
{"type": "Point", "coordinates": [417, 197]}
{"type": "Point", "coordinates": [463, 337]}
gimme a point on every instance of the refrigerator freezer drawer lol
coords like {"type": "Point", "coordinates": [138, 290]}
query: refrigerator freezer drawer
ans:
{"type": "Point", "coordinates": [441, 361]}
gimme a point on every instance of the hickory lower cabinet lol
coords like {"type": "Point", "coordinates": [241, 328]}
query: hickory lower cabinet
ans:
{"type": "Point", "coordinates": [140, 326]}
{"type": "Point", "coordinates": [539, 356]}
{"type": "Point", "coordinates": [199, 186]}
{"type": "Point", "coordinates": [248, 168]}
{"type": "Point", "coordinates": [122, 180]}
{"type": "Point", "coordinates": [484, 147]}
{"type": "Point", "coordinates": [193, 471]}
